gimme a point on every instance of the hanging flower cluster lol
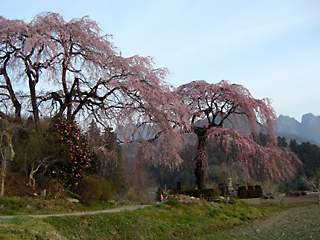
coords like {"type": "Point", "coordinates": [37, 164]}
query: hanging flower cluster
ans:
{"type": "Point", "coordinates": [78, 157]}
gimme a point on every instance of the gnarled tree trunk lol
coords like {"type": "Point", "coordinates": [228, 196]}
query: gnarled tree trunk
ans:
{"type": "Point", "coordinates": [201, 159]}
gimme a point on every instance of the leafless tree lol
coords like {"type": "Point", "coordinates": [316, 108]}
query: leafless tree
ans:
{"type": "Point", "coordinates": [313, 184]}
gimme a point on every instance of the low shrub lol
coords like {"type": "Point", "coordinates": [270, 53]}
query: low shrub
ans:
{"type": "Point", "coordinates": [250, 192]}
{"type": "Point", "coordinates": [94, 188]}
{"type": "Point", "coordinates": [107, 189]}
{"type": "Point", "coordinates": [89, 190]}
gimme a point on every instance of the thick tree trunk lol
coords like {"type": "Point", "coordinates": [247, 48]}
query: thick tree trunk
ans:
{"type": "Point", "coordinates": [201, 160]}
{"type": "Point", "coordinates": [35, 109]}
{"type": "Point", "coordinates": [16, 103]}
{"type": "Point", "coordinates": [33, 79]}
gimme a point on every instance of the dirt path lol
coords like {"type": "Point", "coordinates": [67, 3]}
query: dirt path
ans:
{"type": "Point", "coordinates": [130, 208]}
{"type": "Point", "coordinates": [294, 223]}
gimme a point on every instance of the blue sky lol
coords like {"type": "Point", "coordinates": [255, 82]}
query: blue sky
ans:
{"type": "Point", "coordinates": [270, 47]}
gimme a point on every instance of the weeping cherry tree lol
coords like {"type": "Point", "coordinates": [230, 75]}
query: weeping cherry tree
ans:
{"type": "Point", "coordinates": [216, 111]}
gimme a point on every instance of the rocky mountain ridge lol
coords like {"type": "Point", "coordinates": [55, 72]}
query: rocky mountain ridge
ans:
{"type": "Point", "coordinates": [308, 129]}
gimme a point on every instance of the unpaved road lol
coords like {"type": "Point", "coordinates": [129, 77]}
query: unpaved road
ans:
{"type": "Point", "coordinates": [294, 223]}
{"type": "Point", "coordinates": [134, 207]}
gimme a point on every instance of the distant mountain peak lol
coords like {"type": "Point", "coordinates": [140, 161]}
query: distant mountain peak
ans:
{"type": "Point", "coordinates": [308, 128]}
{"type": "Point", "coordinates": [309, 118]}
{"type": "Point", "coordinates": [287, 124]}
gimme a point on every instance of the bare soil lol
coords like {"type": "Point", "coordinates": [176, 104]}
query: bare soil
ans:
{"type": "Point", "coordinates": [16, 184]}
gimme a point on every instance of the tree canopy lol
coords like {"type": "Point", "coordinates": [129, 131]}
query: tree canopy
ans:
{"type": "Point", "coordinates": [70, 68]}
{"type": "Point", "coordinates": [50, 67]}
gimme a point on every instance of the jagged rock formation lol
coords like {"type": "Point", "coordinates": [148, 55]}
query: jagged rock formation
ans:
{"type": "Point", "coordinates": [309, 127]}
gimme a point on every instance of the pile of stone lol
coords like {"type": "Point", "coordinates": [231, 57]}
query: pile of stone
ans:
{"type": "Point", "coordinates": [185, 199]}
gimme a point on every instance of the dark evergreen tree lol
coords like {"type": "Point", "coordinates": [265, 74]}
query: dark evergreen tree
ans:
{"type": "Point", "coordinates": [282, 142]}
{"type": "Point", "coordinates": [309, 154]}
{"type": "Point", "coordinates": [93, 134]}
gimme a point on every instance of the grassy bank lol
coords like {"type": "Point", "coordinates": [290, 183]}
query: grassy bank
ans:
{"type": "Point", "coordinates": [38, 205]}
{"type": "Point", "coordinates": [171, 220]}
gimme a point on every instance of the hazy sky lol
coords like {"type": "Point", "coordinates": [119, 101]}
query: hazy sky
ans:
{"type": "Point", "coordinates": [270, 47]}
